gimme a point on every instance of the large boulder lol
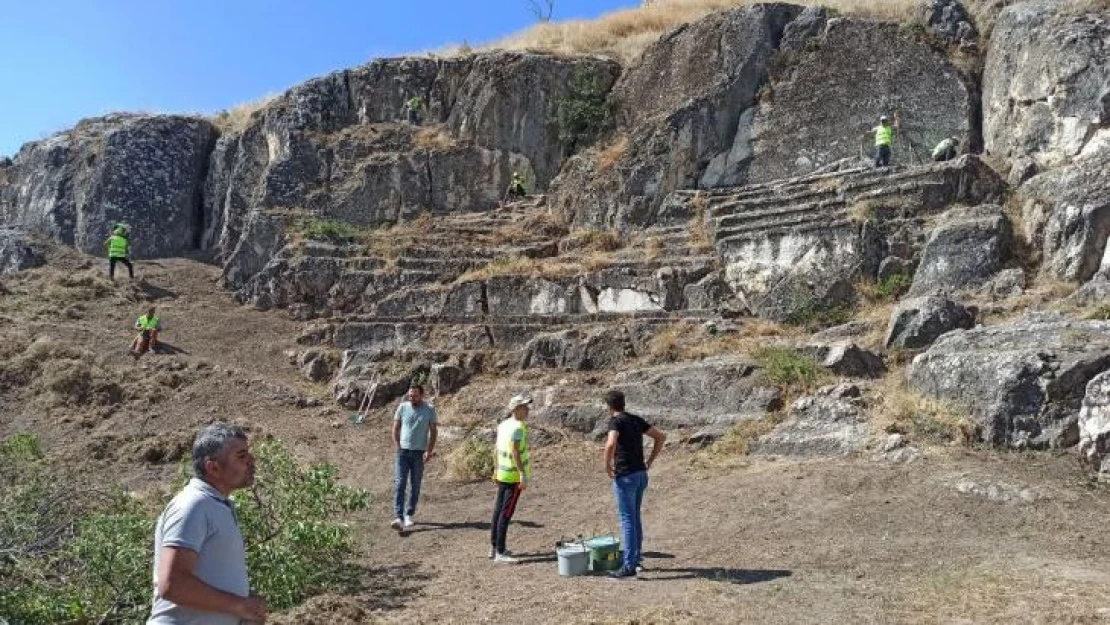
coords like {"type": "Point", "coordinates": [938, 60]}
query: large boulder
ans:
{"type": "Point", "coordinates": [825, 95]}
{"type": "Point", "coordinates": [145, 170]}
{"type": "Point", "coordinates": [948, 21]}
{"type": "Point", "coordinates": [17, 252]}
{"type": "Point", "coordinates": [917, 322]}
{"type": "Point", "coordinates": [681, 117]}
{"type": "Point", "coordinates": [1046, 84]}
{"type": "Point", "coordinates": [1076, 200]}
{"type": "Point", "coordinates": [847, 359]}
{"type": "Point", "coordinates": [716, 391]}
{"type": "Point", "coordinates": [1094, 425]}
{"type": "Point", "coordinates": [1022, 382]}
{"type": "Point", "coordinates": [965, 251]}
{"type": "Point", "coordinates": [830, 422]}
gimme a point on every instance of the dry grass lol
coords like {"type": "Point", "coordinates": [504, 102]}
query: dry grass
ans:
{"type": "Point", "coordinates": [625, 34]}
{"type": "Point", "coordinates": [471, 461]}
{"type": "Point", "coordinates": [739, 439]}
{"type": "Point", "coordinates": [238, 117]}
{"type": "Point", "coordinates": [593, 241]}
{"type": "Point", "coordinates": [551, 225]}
{"type": "Point", "coordinates": [433, 138]}
{"type": "Point", "coordinates": [700, 238]}
{"type": "Point", "coordinates": [904, 411]}
{"type": "Point", "coordinates": [682, 341]}
{"type": "Point", "coordinates": [611, 154]}
{"type": "Point", "coordinates": [538, 267]}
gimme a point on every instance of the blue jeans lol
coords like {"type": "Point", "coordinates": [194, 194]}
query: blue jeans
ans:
{"type": "Point", "coordinates": [629, 492]}
{"type": "Point", "coordinates": [409, 464]}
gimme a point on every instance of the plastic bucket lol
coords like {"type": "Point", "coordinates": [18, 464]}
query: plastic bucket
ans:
{"type": "Point", "coordinates": [605, 553]}
{"type": "Point", "coordinates": [574, 559]}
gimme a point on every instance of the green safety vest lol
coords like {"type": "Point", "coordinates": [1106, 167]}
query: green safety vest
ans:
{"type": "Point", "coordinates": [883, 135]}
{"type": "Point", "coordinates": [506, 470]}
{"type": "Point", "coordinates": [147, 324]}
{"type": "Point", "coordinates": [117, 246]}
{"type": "Point", "coordinates": [943, 147]}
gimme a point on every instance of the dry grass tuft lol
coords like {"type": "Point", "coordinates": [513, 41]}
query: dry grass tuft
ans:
{"type": "Point", "coordinates": [904, 411]}
{"type": "Point", "coordinates": [238, 117]}
{"type": "Point", "coordinates": [700, 238]}
{"type": "Point", "coordinates": [472, 461]}
{"type": "Point", "coordinates": [611, 154]}
{"type": "Point", "coordinates": [625, 34]}
{"type": "Point", "coordinates": [594, 241]}
{"type": "Point", "coordinates": [682, 341]}
{"type": "Point", "coordinates": [739, 439]}
{"type": "Point", "coordinates": [538, 267]}
{"type": "Point", "coordinates": [433, 138]}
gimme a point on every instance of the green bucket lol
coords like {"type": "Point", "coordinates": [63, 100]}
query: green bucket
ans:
{"type": "Point", "coordinates": [605, 553]}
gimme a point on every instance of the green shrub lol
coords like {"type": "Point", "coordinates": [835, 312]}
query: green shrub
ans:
{"type": "Point", "coordinates": [814, 315]}
{"type": "Point", "coordinates": [585, 113]}
{"type": "Point", "coordinates": [330, 230]}
{"type": "Point", "coordinates": [73, 554]}
{"type": "Point", "coordinates": [789, 367]}
{"type": "Point", "coordinates": [893, 287]}
{"type": "Point", "coordinates": [471, 462]}
{"type": "Point", "coordinates": [295, 546]}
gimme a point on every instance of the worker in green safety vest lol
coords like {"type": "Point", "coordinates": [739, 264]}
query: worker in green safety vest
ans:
{"type": "Point", "coordinates": [884, 137]}
{"type": "Point", "coordinates": [119, 251]}
{"type": "Point", "coordinates": [516, 186]}
{"type": "Point", "coordinates": [946, 150]}
{"type": "Point", "coordinates": [512, 474]}
{"type": "Point", "coordinates": [414, 109]}
{"type": "Point", "coordinates": [148, 323]}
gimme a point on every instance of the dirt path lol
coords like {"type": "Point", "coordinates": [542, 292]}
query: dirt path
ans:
{"type": "Point", "coordinates": [728, 541]}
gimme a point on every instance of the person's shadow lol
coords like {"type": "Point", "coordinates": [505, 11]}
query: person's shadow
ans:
{"type": "Point", "coordinates": [431, 526]}
{"type": "Point", "coordinates": [718, 574]}
{"type": "Point", "coordinates": [165, 349]}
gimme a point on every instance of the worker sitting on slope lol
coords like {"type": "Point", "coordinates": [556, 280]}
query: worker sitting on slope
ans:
{"type": "Point", "coordinates": [147, 324]}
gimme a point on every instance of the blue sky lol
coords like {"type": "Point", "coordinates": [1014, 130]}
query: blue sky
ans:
{"type": "Point", "coordinates": [69, 59]}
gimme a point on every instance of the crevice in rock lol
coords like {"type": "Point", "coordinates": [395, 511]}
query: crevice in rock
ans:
{"type": "Point", "coordinates": [200, 211]}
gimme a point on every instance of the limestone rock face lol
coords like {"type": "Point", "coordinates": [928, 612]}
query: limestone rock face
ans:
{"type": "Point", "coordinates": [1076, 200]}
{"type": "Point", "coordinates": [831, 422]}
{"type": "Point", "coordinates": [1046, 84]}
{"type": "Point", "coordinates": [824, 96]}
{"type": "Point", "coordinates": [967, 249]}
{"type": "Point", "coordinates": [341, 146]}
{"type": "Point", "coordinates": [917, 322]}
{"type": "Point", "coordinates": [716, 391]}
{"type": "Point", "coordinates": [17, 252]}
{"type": "Point", "coordinates": [145, 170]}
{"type": "Point", "coordinates": [682, 110]}
{"type": "Point", "coordinates": [1094, 425]}
{"type": "Point", "coordinates": [1022, 383]}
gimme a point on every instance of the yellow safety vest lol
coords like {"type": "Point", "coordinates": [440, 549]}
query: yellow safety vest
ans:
{"type": "Point", "coordinates": [145, 323]}
{"type": "Point", "coordinates": [117, 246]}
{"type": "Point", "coordinates": [506, 470]}
{"type": "Point", "coordinates": [884, 135]}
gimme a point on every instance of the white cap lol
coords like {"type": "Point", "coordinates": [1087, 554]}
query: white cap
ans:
{"type": "Point", "coordinates": [519, 400]}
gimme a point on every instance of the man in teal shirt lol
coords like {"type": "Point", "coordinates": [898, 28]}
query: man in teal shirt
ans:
{"type": "Point", "coordinates": [414, 441]}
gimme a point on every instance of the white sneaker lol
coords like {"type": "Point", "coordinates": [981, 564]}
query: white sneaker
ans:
{"type": "Point", "coordinates": [397, 524]}
{"type": "Point", "coordinates": [409, 522]}
{"type": "Point", "coordinates": [505, 558]}
{"type": "Point", "coordinates": [492, 553]}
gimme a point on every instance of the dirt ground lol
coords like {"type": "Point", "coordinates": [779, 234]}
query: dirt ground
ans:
{"type": "Point", "coordinates": [728, 540]}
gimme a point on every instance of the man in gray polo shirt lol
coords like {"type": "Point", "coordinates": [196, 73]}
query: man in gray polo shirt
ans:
{"type": "Point", "coordinates": [200, 564]}
{"type": "Point", "coordinates": [414, 440]}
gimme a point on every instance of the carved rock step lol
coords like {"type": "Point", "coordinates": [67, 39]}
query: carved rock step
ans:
{"type": "Point", "coordinates": [825, 227]}
{"type": "Point", "coordinates": [784, 212]}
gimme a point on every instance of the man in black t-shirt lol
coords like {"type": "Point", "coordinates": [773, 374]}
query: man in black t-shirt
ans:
{"type": "Point", "coordinates": [624, 461]}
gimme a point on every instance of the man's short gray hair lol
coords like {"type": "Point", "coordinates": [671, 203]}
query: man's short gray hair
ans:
{"type": "Point", "coordinates": [210, 443]}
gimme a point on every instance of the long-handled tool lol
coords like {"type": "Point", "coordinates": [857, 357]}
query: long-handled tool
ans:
{"type": "Point", "coordinates": [359, 417]}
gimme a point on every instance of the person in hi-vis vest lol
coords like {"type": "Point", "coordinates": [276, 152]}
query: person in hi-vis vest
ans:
{"type": "Point", "coordinates": [512, 474]}
{"type": "Point", "coordinates": [884, 137]}
{"type": "Point", "coordinates": [119, 251]}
